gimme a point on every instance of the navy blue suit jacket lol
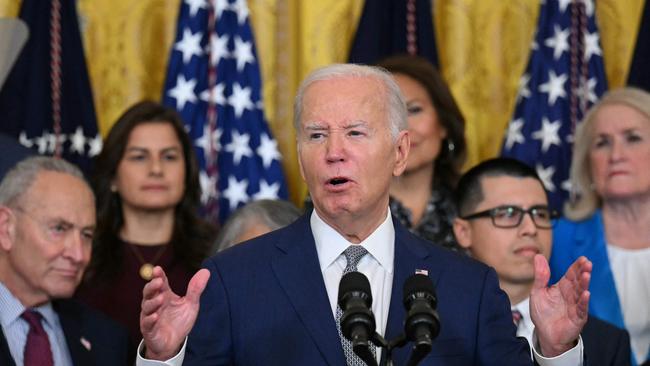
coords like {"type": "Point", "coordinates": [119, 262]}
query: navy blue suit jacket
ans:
{"type": "Point", "coordinates": [605, 344]}
{"type": "Point", "coordinates": [109, 342]}
{"type": "Point", "coordinates": [266, 304]}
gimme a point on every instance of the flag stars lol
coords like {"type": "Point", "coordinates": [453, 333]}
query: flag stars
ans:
{"type": "Point", "coordinates": [236, 192]}
{"type": "Point", "coordinates": [53, 141]}
{"type": "Point", "coordinates": [220, 6]}
{"type": "Point", "coordinates": [554, 87]}
{"type": "Point", "coordinates": [183, 92]}
{"type": "Point", "coordinates": [559, 42]}
{"type": "Point", "coordinates": [546, 175]}
{"type": "Point", "coordinates": [218, 48]}
{"type": "Point", "coordinates": [78, 141]}
{"type": "Point", "coordinates": [209, 140]}
{"type": "Point", "coordinates": [564, 4]}
{"type": "Point", "coordinates": [524, 91]}
{"type": "Point", "coordinates": [95, 146]}
{"type": "Point", "coordinates": [190, 45]}
{"type": "Point", "coordinates": [268, 150]}
{"type": "Point", "coordinates": [267, 191]}
{"type": "Point", "coordinates": [243, 53]}
{"type": "Point", "coordinates": [588, 90]}
{"type": "Point", "coordinates": [514, 135]}
{"type": "Point", "coordinates": [241, 9]}
{"type": "Point", "coordinates": [239, 147]}
{"type": "Point", "coordinates": [240, 99]}
{"type": "Point", "coordinates": [195, 5]}
{"type": "Point", "coordinates": [548, 134]}
{"type": "Point", "coordinates": [215, 96]}
{"type": "Point", "coordinates": [208, 187]}
{"type": "Point", "coordinates": [24, 140]}
{"type": "Point", "coordinates": [591, 46]}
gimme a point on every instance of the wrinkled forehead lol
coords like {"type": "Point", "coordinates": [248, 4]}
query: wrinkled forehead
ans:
{"type": "Point", "coordinates": [343, 100]}
{"type": "Point", "coordinates": [55, 194]}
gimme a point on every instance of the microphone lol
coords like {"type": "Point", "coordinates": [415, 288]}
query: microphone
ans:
{"type": "Point", "coordinates": [422, 323]}
{"type": "Point", "coordinates": [357, 321]}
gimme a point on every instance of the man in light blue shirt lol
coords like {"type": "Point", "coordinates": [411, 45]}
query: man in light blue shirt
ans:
{"type": "Point", "coordinates": [47, 220]}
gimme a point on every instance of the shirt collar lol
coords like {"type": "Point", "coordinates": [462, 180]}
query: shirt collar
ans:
{"type": "Point", "coordinates": [12, 308]}
{"type": "Point", "coordinates": [524, 308]}
{"type": "Point", "coordinates": [330, 244]}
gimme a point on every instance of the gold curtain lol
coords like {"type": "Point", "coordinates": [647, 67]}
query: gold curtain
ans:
{"type": "Point", "coordinates": [483, 47]}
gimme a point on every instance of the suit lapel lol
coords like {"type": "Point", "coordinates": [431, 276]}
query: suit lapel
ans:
{"type": "Point", "coordinates": [5, 354]}
{"type": "Point", "coordinates": [590, 241]}
{"type": "Point", "coordinates": [297, 269]}
{"type": "Point", "coordinates": [71, 322]}
{"type": "Point", "coordinates": [410, 256]}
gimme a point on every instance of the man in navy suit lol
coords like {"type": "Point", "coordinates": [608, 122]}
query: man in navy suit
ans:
{"type": "Point", "coordinates": [47, 219]}
{"type": "Point", "coordinates": [505, 222]}
{"type": "Point", "coordinates": [272, 300]}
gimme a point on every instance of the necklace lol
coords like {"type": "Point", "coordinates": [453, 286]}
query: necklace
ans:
{"type": "Point", "coordinates": [146, 268]}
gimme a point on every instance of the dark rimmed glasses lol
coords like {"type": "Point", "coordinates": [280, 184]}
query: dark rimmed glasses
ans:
{"type": "Point", "coordinates": [508, 216]}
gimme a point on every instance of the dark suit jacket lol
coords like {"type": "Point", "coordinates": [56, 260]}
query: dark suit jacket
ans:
{"type": "Point", "coordinates": [266, 304]}
{"type": "Point", "coordinates": [605, 344]}
{"type": "Point", "coordinates": [109, 342]}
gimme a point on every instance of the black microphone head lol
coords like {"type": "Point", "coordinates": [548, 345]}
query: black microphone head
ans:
{"type": "Point", "coordinates": [419, 286]}
{"type": "Point", "coordinates": [354, 283]}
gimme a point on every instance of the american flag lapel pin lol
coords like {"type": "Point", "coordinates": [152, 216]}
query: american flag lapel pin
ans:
{"type": "Point", "coordinates": [422, 272]}
{"type": "Point", "coordinates": [85, 343]}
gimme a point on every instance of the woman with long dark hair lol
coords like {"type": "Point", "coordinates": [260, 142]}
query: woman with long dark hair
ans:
{"type": "Point", "coordinates": [147, 186]}
{"type": "Point", "coordinates": [422, 197]}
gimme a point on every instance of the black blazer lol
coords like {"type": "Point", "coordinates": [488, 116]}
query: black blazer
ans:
{"type": "Point", "coordinates": [605, 344]}
{"type": "Point", "coordinates": [109, 341]}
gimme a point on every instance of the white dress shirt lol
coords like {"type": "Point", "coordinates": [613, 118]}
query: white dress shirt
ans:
{"type": "Point", "coordinates": [526, 329]}
{"type": "Point", "coordinates": [377, 266]}
{"type": "Point", "coordinates": [16, 328]}
{"type": "Point", "coordinates": [631, 270]}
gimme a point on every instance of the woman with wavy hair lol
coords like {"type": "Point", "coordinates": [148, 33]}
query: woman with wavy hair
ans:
{"type": "Point", "coordinates": [147, 186]}
{"type": "Point", "coordinates": [608, 218]}
{"type": "Point", "coordinates": [422, 196]}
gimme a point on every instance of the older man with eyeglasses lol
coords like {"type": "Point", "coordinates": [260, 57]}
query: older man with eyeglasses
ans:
{"type": "Point", "coordinates": [504, 221]}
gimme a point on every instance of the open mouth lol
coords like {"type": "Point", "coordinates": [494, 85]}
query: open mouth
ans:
{"type": "Point", "coordinates": [338, 181]}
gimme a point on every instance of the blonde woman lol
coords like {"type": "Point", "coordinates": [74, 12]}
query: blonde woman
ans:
{"type": "Point", "coordinates": [608, 219]}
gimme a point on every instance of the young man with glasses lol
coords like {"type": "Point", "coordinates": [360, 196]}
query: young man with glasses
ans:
{"type": "Point", "coordinates": [504, 221]}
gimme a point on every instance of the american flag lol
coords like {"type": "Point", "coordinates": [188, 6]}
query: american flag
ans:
{"type": "Point", "coordinates": [564, 77]}
{"type": "Point", "coordinates": [46, 102]}
{"type": "Point", "coordinates": [214, 82]}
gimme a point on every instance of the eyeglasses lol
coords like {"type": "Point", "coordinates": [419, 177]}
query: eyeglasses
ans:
{"type": "Point", "coordinates": [511, 216]}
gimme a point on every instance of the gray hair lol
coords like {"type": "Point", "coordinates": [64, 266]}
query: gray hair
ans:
{"type": "Point", "coordinates": [397, 114]}
{"type": "Point", "coordinates": [585, 200]}
{"type": "Point", "coordinates": [21, 177]}
{"type": "Point", "coordinates": [274, 214]}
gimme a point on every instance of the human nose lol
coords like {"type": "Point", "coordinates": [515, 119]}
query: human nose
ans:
{"type": "Point", "coordinates": [616, 152]}
{"type": "Point", "coordinates": [155, 167]}
{"type": "Point", "coordinates": [335, 147]}
{"type": "Point", "coordinates": [527, 225]}
{"type": "Point", "coordinates": [76, 247]}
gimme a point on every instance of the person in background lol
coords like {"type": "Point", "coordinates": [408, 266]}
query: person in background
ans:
{"type": "Point", "coordinates": [47, 221]}
{"type": "Point", "coordinates": [272, 301]}
{"type": "Point", "coordinates": [254, 219]}
{"type": "Point", "coordinates": [608, 219]}
{"type": "Point", "coordinates": [422, 196]}
{"type": "Point", "coordinates": [505, 221]}
{"type": "Point", "coordinates": [147, 186]}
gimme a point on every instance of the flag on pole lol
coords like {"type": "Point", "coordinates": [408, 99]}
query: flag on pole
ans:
{"type": "Point", "coordinates": [389, 27]}
{"type": "Point", "coordinates": [47, 102]}
{"type": "Point", "coordinates": [564, 77]}
{"type": "Point", "coordinates": [214, 82]}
